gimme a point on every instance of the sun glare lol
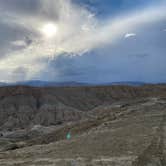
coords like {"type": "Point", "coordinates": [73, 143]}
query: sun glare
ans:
{"type": "Point", "coordinates": [49, 30]}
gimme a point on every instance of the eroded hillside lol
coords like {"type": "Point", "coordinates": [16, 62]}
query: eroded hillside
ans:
{"type": "Point", "coordinates": [112, 126]}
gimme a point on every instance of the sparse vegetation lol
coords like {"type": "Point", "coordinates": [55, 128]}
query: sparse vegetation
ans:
{"type": "Point", "coordinates": [127, 128]}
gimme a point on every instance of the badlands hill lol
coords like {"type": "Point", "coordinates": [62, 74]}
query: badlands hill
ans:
{"type": "Point", "coordinates": [109, 125]}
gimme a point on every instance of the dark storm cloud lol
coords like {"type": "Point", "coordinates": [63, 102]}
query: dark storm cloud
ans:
{"type": "Point", "coordinates": [32, 7]}
{"type": "Point", "coordinates": [26, 6]}
{"type": "Point", "coordinates": [10, 34]}
{"type": "Point", "coordinates": [70, 68]}
{"type": "Point", "coordinates": [67, 66]}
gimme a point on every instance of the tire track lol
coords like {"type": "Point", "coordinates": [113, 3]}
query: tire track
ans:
{"type": "Point", "coordinates": [154, 154]}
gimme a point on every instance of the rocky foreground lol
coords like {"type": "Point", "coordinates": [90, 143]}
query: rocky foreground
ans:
{"type": "Point", "coordinates": [109, 126]}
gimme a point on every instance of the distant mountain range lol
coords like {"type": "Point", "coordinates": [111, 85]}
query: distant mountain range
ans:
{"type": "Point", "coordinates": [39, 83]}
{"type": "Point", "coordinates": [134, 83]}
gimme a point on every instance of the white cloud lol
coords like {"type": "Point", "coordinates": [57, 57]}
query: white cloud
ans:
{"type": "Point", "coordinates": [78, 31]}
{"type": "Point", "coordinates": [128, 35]}
{"type": "Point", "coordinates": [19, 43]}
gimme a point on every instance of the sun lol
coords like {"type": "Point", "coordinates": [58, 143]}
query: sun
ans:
{"type": "Point", "coordinates": [49, 30]}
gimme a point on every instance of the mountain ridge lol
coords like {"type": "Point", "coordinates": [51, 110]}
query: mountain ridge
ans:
{"type": "Point", "coordinates": [40, 83]}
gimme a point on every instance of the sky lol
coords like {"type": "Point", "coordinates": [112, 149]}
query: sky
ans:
{"type": "Point", "coordinates": [92, 41]}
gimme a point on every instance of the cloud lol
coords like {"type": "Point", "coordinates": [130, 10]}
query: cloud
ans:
{"type": "Point", "coordinates": [19, 43]}
{"type": "Point", "coordinates": [76, 24]}
{"type": "Point", "coordinates": [128, 35]}
{"type": "Point", "coordinates": [19, 74]}
{"type": "Point", "coordinates": [22, 43]}
{"type": "Point", "coordinates": [79, 30]}
{"type": "Point", "coordinates": [139, 55]}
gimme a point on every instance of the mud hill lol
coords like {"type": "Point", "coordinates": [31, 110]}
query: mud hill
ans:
{"type": "Point", "coordinates": [109, 125]}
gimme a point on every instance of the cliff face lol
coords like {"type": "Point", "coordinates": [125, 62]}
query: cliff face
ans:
{"type": "Point", "coordinates": [21, 107]}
